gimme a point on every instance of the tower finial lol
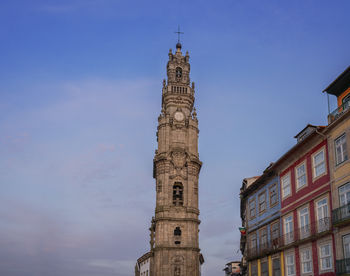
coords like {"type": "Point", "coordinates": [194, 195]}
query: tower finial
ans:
{"type": "Point", "coordinates": [178, 45]}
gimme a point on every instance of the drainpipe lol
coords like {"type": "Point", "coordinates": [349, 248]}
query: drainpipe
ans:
{"type": "Point", "coordinates": [329, 109]}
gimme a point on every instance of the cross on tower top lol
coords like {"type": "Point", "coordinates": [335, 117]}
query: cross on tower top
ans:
{"type": "Point", "coordinates": [178, 34]}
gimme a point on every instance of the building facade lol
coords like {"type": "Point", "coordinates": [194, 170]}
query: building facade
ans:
{"type": "Point", "coordinates": [175, 226]}
{"type": "Point", "coordinates": [246, 183]}
{"type": "Point", "coordinates": [307, 239]}
{"type": "Point", "coordinates": [143, 265]}
{"type": "Point", "coordinates": [263, 224]}
{"type": "Point", "coordinates": [314, 201]}
{"type": "Point", "coordinates": [233, 268]}
{"type": "Point", "coordinates": [338, 135]}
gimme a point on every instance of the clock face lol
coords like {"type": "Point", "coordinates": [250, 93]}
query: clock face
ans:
{"type": "Point", "coordinates": [179, 116]}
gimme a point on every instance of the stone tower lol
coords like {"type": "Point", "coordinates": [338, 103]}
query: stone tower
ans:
{"type": "Point", "coordinates": [174, 230]}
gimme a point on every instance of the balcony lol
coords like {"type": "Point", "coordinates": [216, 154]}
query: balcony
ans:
{"type": "Point", "coordinates": [308, 232]}
{"type": "Point", "coordinates": [265, 248]}
{"type": "Point", "coordinates": [343, 266]}
{"type": "Point", "coordinates": [341, 214]}
{"type": "Point", "coordinates": [252, 252]}
{"type": "Point", "coordinates": [338, 112]}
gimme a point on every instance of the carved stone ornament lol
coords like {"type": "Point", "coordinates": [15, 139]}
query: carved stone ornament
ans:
{"type": "Point", "coordinates": [178, 260]}
{"type": "Point", "coordinates": [179, 159]}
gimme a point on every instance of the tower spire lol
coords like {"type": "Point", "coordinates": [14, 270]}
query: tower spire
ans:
{"type": "Point", "coordinates": [178, 45]}
{"type": "Point", "coordinates": [174, 241]}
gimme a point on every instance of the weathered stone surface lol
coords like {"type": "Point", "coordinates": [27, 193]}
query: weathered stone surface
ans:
{"type": "Point", "coordinates": [174, 237]}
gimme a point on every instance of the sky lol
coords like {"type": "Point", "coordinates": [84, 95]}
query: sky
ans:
{"type": "Point", "coordinates": [80, 94]}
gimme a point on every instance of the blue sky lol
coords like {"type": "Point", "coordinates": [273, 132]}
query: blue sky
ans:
{"type": "Point", "coordinates": [80, 93]}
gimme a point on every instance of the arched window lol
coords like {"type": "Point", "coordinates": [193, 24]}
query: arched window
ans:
{"type": "Point", "coordinates": [177, 231]}
{"type": "Point", "coordinates": [178, 194]}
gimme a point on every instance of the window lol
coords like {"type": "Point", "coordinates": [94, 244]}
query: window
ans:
{"type": "Point", "coordinates": [252, 208]}
{"type": "Point", "coordinates": [275, 233]}
{"type": "Point", "coordinates": [290, 264]}
{"type": "Point", "coordinates": [325, 257]}
{"type": "Point", "coordinates": [178, 194]}
{"type": "Point", "coordinates": [322, 215]}
{"type": "Point", "coordinates": [319, 166]}
{"type": "Point", "coordinates": [346, 248]}
{"type": "Point", "coordinates": [275, 230]}
{"type": "Point", "coordinates": [273, 195]}
{"type": "Point", "coordinates": [301, 175]}
{"type": "Point", "coordinates": [253, 240]}
{"type": "Point", "coordinates": [177, 235]}
{"type": "Point", "coordinates": [341, 153]}
{"type": "Point", "coordinates": [177, 231]}
{"type": "Point", "coordinates": [286, 191]}
{"type": "Point", "coordinates": [262, 202]}
{"type": "Point", "coordinates": [263, 238]}
{"type": "Point", "coordinates": [254, 269]}
{"type": "Point", "coordinates": [306, 260]}
{"type": "Point", "coordinates": [264, 269]}
{"type": "Point", "coordinates": [276, 266]}
{"type": "Point", "coordinates": [304, 223]}
{"type": "Point", "coordinates": [344, 194]}
{"type": "Point", "coordinates": [344, 201]}
{"type": "Point", "coordinates": [288, 229]}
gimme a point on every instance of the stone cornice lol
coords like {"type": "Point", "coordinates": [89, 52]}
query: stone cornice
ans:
{"type": "Point", "coordinates": [192, 210]}
{"type": "Point", "coordinates": [177, 219]}
{"type": "Point", "coordinates": [189, 248]}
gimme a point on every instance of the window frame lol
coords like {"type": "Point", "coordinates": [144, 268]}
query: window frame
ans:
{"type": "Point", "coordinates": [343, 245]}
{"type": "Point", "coordinates": [286, 263]}
{"type": "Point", "coordinates": [343, 150]}
{"type": "Point", "coordinates": [250, 240]}
{"type": "Point", "coordinates": [261, 231]}
{"type": "Point", "coordinates": [327, 215]}
{"type": "Point", "coordinates": [274, 185]}
{"type": "Point", "coordinates": [273, 266]}
{"type": "Point", "coordinates": [275, 242]}
{"type": "Point", "coordinates": [316, 206]}
{"type": "Point", "coordinates": [264, 262]}
{"type": "Point", "coordinates": [330, 256]}
{"type": "Point", "coordinates": [259, 196]}
{"type": "Point", "coordinates": [287, 175]}
{"type": "Point", "coordinates": [290, 215]}
{"type": "Point", "coordinates": [301, 250]}
{"type": "Point", "coordinates": [252, 200]}
{"type": "Point", "coordinates": [298, 187]}
{"type": "Point", "coordinates": [314, 176]}
{"type": "Point", "coordinates": [255, 272]}
{"type": "Point", "coordinates": [345, 192]}
{"type": "Point", "coordinates": [309, 220]}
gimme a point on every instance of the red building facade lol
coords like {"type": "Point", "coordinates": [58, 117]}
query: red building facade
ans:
{"type": "Point", "coordinates": [308, 243]}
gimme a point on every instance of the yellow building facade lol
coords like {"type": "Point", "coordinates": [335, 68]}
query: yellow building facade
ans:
{"type": "Point", "coordinates": [338, 136]}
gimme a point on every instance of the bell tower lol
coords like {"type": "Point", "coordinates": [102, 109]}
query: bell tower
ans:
{"type": "Point", "coordinates": [174, 230]}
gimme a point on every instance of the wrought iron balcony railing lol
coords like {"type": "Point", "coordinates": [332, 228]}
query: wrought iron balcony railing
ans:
{"type": "Point", "coordinates": [343, 266]}
{"type": "Point", "coordinates": [338, 112]}
{"type": "Point", "coordinates": [341, 214]}
{"type": "Point", "coordinates": [308, 231]}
